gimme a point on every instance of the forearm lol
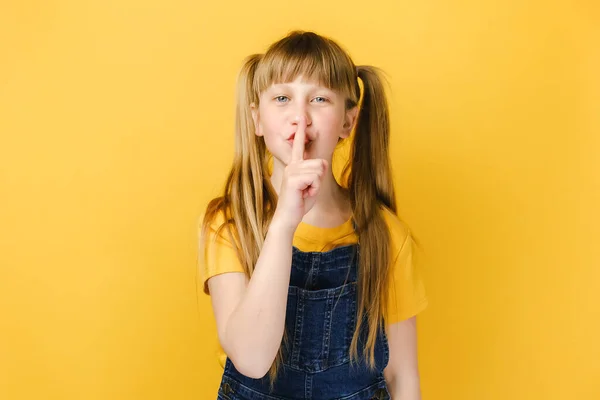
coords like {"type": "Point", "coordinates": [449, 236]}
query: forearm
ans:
{"type": "Point", "coordinates": [255, 328]}
{"type": "Point", "coordinates": [405, 388]}
{"type": "Point", "coordinates": [402, 372]}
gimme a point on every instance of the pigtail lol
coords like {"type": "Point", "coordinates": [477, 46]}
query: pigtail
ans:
{"type": "Point", "coordinates": [371, 142]}
{"type": "Point", "coordinates": [250, 181]}
{"type": "Point", "coordinates": [371, 187]}
{"type": "Point", "coordinates": [248, 192]}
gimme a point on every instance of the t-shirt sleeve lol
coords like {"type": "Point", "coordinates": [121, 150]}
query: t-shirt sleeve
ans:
{"type": "Point", "coordinates": [407, 295]}
{"type": "Point", "coordinates": [220, 256]}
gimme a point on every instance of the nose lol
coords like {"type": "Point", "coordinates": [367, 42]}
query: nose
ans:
{"type": "Point", "coordinates": [297, 117]}
{"type": "Point", "coordinates": [300, 111]}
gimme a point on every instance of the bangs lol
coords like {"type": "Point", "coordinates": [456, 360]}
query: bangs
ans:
{"type": "Point", "coordinates": [312, 57]}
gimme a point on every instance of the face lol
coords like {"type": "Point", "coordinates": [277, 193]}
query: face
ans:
{"type": "Point", "coordinates": [281, 106]}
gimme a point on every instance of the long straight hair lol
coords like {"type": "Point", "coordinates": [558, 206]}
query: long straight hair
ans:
{"type": "Point", "coordinates": [249, 200]}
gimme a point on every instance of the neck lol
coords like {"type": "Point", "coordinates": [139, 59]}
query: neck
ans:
{"type": "Point", "coordinates": [332, 206]}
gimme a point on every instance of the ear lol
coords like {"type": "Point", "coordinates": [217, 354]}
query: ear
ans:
{"type": "Point", "coordinates": [256, 118]}
{"type": "Point", "coordinates": [349, 121]}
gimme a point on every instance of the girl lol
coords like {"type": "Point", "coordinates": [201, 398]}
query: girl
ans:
{"type": "Point", "coordinates": [312, 283]}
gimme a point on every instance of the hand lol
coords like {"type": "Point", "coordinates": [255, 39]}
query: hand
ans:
{"type": "Point", "coordinates": [300, 183]}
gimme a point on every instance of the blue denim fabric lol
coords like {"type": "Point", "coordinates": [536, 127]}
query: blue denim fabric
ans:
{"type": "Point", "coordinates": [320, 322]}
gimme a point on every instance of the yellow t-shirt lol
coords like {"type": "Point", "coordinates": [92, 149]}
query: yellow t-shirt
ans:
{"type": "Point", "coordinates": [407, 295]}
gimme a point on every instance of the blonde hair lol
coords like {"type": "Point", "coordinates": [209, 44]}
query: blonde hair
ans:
{"type": "Point", "coordinates": [249, 200]}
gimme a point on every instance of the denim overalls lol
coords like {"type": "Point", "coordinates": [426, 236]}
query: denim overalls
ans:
{"type": "Point", "coordinates": [320, 321]}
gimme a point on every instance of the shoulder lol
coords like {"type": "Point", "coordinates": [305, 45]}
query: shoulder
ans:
{"type": "Point", "coordinates": [213, 214]}
{"type": "Point", "coordinates": [407, 295]}
{"type": "Point", "coordinates": [400, 234]}
{"type": "Point", "coordinates": [218, 252]}
{"type": "Point", "coordinates": [214, 222]}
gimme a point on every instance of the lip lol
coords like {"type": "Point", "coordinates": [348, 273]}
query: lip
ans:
{"type": "Point", "coordinates": [307, 145]}
{"type": "Point", "coordinates": [290, 139]}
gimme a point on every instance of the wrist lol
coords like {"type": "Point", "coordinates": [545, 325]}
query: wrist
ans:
{"type": "Point", "coordinates": [281, 228]}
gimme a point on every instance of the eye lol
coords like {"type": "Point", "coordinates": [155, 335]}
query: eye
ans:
{"type": "Point", "coordinates": [320, 99]}
{"type": "Point", "coordinates": [281, 99]}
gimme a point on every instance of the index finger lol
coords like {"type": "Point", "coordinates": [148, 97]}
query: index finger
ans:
{"type": "Point", "coordinates": [299, 137]}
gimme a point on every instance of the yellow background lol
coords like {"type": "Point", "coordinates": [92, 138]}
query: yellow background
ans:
{"type": "Point", "coordinates": [116, 129]}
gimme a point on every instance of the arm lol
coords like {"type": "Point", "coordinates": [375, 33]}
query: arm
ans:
{"type": "Point", "coordinates": [250, 314]}
{"type": "Point", "coordinates": [402, 372]}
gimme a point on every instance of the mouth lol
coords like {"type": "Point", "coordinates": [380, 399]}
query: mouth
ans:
{"type": "Point", "coordinates": [307, 141]}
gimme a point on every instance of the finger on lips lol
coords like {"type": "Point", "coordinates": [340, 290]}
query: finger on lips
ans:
{"type": "Point", "coordinates": [299, 137]}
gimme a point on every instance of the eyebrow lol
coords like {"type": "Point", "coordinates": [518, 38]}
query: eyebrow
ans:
{"type": "Point", "coordinates": [288, 85]}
